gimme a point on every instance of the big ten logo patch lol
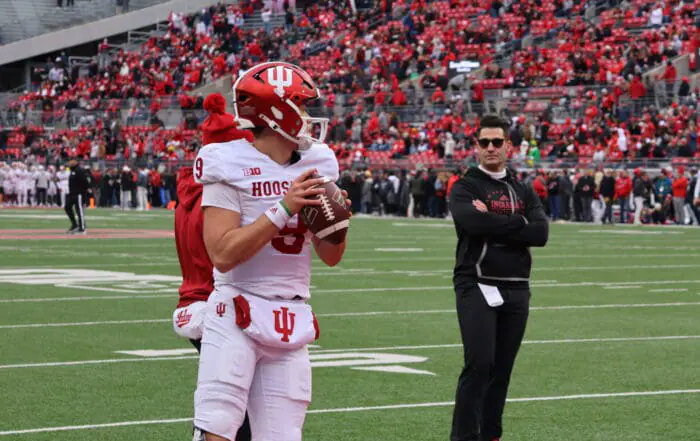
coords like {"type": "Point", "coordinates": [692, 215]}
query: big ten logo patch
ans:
{"type": "Point", "coordinates": [252, 171]}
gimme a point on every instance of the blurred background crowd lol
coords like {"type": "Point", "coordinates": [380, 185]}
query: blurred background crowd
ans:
{"type": "Point", "coordinates": [601, 88]}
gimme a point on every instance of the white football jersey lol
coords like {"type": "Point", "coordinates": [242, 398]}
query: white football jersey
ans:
{"type": "Point", "coordinates": [63, 179]}
{"type": "Point", "coordinates": [19, 178]}
{"type": "Point", "coordinates": [282, 268]}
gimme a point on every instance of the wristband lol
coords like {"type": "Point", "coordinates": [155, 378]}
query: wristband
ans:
{"type": "Point", "coordinates": [278, 214]}
{"type": "Point", "coordinates": [286, 208]}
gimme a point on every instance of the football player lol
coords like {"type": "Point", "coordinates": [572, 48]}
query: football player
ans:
{"type": "Point", "coordinates": [258, 323]}
{"type": "Point", "coordinates": [63, 175]}
{"type": "Point", "coordinates": [195, 266]}
{"type": "Point", "coordinates": [3, 177]}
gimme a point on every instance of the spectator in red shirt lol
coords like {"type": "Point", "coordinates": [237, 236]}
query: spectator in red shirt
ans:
{"type": "Point", "coordinates": [398, 98]}
{"type": "Point", "coordinates": [669, 76]}
{"type": "Point", "coordinates": [623, 188]}
{"type": "Point", "coordinates": [680, 187]}
{"type": "Point", "coordinates": [438, 96]}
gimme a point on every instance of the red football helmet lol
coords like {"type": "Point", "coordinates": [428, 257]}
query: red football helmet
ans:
{"type": "Point", "coordinates": [273, 94]}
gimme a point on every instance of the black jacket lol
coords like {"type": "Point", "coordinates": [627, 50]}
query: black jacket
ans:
{"type": "Point", "coordinates": [607, 187]}
{"type": "Point", "coordinates": [493, 247]}
{"type": "Point", "coordinates": [585, 186]}
{"type": "Point", "coordinates": [79, 181]}
{"type": "Point", "coordinates": [126, 181]}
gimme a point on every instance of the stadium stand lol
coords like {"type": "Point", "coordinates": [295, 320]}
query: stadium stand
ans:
{"type": "Point", "coordinates": [587, 86]}
{"type": "Point", "coordinates": [589, 79]}
{"type": "Point", "coordinates": [28, 18]}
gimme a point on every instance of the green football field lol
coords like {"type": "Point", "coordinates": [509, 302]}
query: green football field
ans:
{"type": "Point", "coordinates": [612, 350]}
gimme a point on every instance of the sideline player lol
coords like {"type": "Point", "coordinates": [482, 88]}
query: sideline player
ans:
{"type": "Point", "coordinates": [258, 324]}
{"type": "Point", "coordinates": [79, 185]}
{"type": "Point", "coordinates": [197, 270]}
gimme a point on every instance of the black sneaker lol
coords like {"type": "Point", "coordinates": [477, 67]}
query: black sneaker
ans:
{"type": "Point", "coordinates": [83, 231]}
{"type": "Point", "coordinates": [72, 230]}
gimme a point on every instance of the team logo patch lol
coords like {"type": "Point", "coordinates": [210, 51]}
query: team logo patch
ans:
{"type": "Point", "coordinates": [281, 77]}
{"type": "Point", "coordinates": [183, 318]}
{"type": "Point", "coordinates": [253, 171]}
{"type": "Point", "coordinates": [284, 323]}
{"type": "Point", "coordinates": [220, 309]}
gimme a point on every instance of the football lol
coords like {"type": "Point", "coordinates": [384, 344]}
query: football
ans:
{"type": "Point", "coordinates": [330, 220]}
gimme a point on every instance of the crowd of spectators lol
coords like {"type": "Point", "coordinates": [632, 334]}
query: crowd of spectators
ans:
{"type": "Point", "coordinates": [590, 195]}
{"type": "Point", "coordinates": [580, 194]}
{"type": "Point", "coordinates": [386, 103]}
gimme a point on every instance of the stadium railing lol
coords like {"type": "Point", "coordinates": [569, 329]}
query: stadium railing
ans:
{"type": "Point", "coordinates": [413, 114]}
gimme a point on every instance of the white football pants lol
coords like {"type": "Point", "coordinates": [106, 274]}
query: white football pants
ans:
{"type": "Point", "coordinates": [236, 373]}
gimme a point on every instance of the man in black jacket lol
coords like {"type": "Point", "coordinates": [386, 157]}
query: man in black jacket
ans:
{"type": "Point", "coordinates": [497, 219]}
{"type": "Point", "coordinates": [607, 190]}
{"type": "Point", "coordinates": [586, 187]}
{"type": "Point", "coordinates": [79, 184]}
{"type": "Point", "coordinates": [566, 191]}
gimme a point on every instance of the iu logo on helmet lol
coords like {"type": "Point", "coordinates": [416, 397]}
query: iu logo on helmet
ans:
{"type": "Point", "coordinates": [280, 77]}
{"type": "Point", "coordinates": [284, 323]}
{"type": "Point", "coordinates": [220, 309]}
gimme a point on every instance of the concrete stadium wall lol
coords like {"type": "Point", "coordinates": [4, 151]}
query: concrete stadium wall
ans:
{"type": "Point", "coordinates": [682, 68]}
{"type": "Point", "coordinates": [97, 30]}
{"type": "Point", "coordinates": [222, 85]}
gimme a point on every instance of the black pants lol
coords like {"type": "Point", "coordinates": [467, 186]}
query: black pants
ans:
{"type": "Point", "coordinates": [74, 205]}
{"type": "Point", "coordinates": [491, 339]}
{"type": "Point", "coordinates": [566, 206]}
{"type": "Point", "coordinates": [244, 431]}
{"type": "Point", "coordinates": [607, 214]}
{"type": "Point", "coordinates": [587, 210]}
{"type": "Point", "coordinates": [41, 196]}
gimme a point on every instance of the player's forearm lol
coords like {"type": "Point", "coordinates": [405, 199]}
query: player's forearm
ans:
{"type": "Point", "coordinates": [240, 244]}
{"type": "Point", "coordinates": [330, 254]}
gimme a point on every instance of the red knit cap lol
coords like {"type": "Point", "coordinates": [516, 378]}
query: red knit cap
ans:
{"type": "Point", "coordinates": [219, 125]}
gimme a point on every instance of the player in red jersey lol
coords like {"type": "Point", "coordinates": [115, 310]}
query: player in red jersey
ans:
{"type": "Point", "coordinates": [196, 268]}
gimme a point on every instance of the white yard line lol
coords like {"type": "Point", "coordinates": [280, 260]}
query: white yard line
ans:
{"type": "Point", "coordinates": [614, 306]}
{"type": "Point", "coordinates": [526, 342]}
{"type": "Point", "coordinates": [92, 362]}
{"type": "Point", "coordinates": [79, 299]}
{"type": "Point", "coordinates": [331, 351]}
{"type": "Point", "coordinates": [357, 314]}
{"type": "Point", "coordinates": [358, 409]}
{"type": "Point", "coordinates": [66, 325]}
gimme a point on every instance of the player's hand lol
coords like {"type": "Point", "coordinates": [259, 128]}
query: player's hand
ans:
{"type": "Point", "coordinates": [302, 193]}
{"type": "Point", "coordinates": [348, 202]}
{"type": "Point", "coordinates": [480, 206]}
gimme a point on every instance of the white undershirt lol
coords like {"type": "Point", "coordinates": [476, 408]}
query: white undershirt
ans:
{"type": "Point", "coordinates": [494, 175]}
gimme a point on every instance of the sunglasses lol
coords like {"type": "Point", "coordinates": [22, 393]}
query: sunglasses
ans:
{"type": "Point", "coordinates": [497, 142]}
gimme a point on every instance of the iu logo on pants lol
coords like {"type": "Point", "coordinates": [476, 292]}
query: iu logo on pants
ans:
{"type": "Point", "coordinates": [284, 323]}
{"type": "Point", "coordinates": [183, 318]}
{"type": "Point", "coordinates": [221, 309]}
